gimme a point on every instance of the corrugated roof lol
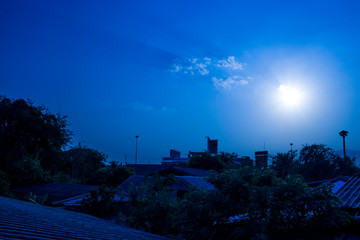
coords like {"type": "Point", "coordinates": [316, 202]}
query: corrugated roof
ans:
{"type": "Point", "coordinates": [193, 171]}
{"type": "Point", "coordinates": [338, 182]}
{"type": "Point", "coordinates": [24, 220]}
{"type": "Point", "coordinates": [146, 169]}
{"type": "Point", "coordinates": [349, 193]}
{"type": "Point", "coordinates": [183, 183]}
{"type": "Point", "coordinates": [197, 182]}
{"type": "Point", "coordinates": [55, 191]}
{"type": "Point", "coordinates": [151, 169]}
{"type": "Point", "coordinates": [135, 180]}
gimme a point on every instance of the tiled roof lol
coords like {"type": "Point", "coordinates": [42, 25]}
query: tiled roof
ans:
{"type": "Point", "coordinates": [24, 220]}
{"type": "Point", "coordinates": [349, 193]}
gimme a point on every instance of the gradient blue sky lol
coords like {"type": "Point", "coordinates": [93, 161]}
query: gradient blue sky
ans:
{"type": "Point", "coordinates": [174, 72]}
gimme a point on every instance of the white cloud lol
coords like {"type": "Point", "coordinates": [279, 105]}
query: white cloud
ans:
{"type": "Point", "coordinates": [202, 69]}
{"type": "Point", "coordinates": [192, 66]}
{"type": "Point", "coordinates": [230, 63]}
{"type": "Point", "coordinates": [225, 73]}
{"type": "Point", "coordinates": [207, 60]}
{"type": "Point", "coordinates": [229, 83]}
{"type": "Point", "coordinates": [176, 68]}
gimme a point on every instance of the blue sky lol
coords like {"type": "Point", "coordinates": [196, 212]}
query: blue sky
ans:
{"type": "Point", "coordinates": [249, 73]}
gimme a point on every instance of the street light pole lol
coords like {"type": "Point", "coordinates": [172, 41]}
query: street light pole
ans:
{"type": "Point", "coordinates": [136, 149]}
{"type": "Point", "coordinates": [343, 134]}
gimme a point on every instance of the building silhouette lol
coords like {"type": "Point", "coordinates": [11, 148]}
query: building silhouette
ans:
{"type": "Point", "coordinates": [174, 158]}
{"type": "Point", "coordinates": [212, 146]}
{"type": "Point", "coordinates": [261, 159]}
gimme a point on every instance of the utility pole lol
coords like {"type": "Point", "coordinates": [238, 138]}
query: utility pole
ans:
{"type": "Point", "coordinates": [136, 149]}
{"type": "Point", "coordinates": [343, 134]}
{"type": "Point", "coordinates": [291, 151]}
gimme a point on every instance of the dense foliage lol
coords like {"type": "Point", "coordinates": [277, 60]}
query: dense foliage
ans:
{"type": "Point", "coordinates": [153, 208]}
{"type": "Point", "coordinates": [212, 162]}
{"type": "Point", "coordinates": [82, 163]}
{"type": "Point", "coordinates": [315, 162]}
{"type": "Point", "coordinates": [30, 140]}
{"type": "Point", "coordinates": [246, 203]}
{"type": "Point", "coordinates": [113, 175]}
{"type": "Point", "coordinates": [4, 184]}
{"type": "Point", "coordinates": [32, 150]}
{"type": "Point", "coordinates": [99, 203]}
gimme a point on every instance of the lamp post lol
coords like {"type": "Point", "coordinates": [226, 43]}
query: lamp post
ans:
{"type": "Point", "coordinates": [136, 149]}
{"type": "Point", "coordinates": [343, 134]}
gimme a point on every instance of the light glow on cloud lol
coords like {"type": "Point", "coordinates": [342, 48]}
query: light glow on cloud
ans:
{"type": "Point", "coordinates": [229, 83]}
{"type": "Point", "coordinates": [226, 74]}
{"type": "Point", "coordinates": [192, 66]}
{"type": "Point", "coordinates": [230, 63]}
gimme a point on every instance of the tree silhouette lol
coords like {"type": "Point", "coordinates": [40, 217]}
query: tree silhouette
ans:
{"type": "Point", "coordinates": [284, 163]}
{"type": "Point", "coordinates": [30, 140]}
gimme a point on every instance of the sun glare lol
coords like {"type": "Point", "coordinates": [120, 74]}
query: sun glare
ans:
{"type": "Point", "coordinates": [289, 96]}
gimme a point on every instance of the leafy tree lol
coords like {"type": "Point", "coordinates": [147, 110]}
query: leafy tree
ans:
{"type": "Point", "coordinates": [284, 163]}
{"type": "Point", "coordinates": [153, 207]}
{"type": "Point", "coordinates": [245, 204]}
{"type": "Point", "coordinates": [346, 166]}
{"type": "Point", "coordinates": [4, 184]}
{"type": "Point", "coordinates": [83, 163]}
{"type": "Point", "coordinates": [32, 142]}
{"type": "Point", "coordinates": [317, 162]}
{"type": "Point", "coordinates": [30, 137]}
{"type": "Point", "coordinates": [114, 174]}
{"type": "Point", "coordinates": [206, 161]}
{"type": "Point", "coordinates": [99, 203]}
{"type": "Point", "coordinates": [255, 203]}
{"type": "Point", "coordinates": [227, 158]}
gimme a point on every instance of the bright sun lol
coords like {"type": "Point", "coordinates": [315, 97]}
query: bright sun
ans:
{"type": "Point", "coordinates": [289, 96]}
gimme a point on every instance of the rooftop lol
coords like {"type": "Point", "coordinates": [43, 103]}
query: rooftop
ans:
{"type": "Point", "coordinates": [349, 193]}
{"type": "Point", "coordinates": [25, 220]}
{"type": "Point", "coordinates": [56, 191]}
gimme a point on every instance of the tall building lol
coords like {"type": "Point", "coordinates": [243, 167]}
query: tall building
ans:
{"type": "Point", "coordinates": [261, 159]}
{"type": "Point", "coordinates": [212, 146]}
{"type": "Point", "coordinates": [174, 153]}
{"type": "Point", "coordinates": [174, 158]}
